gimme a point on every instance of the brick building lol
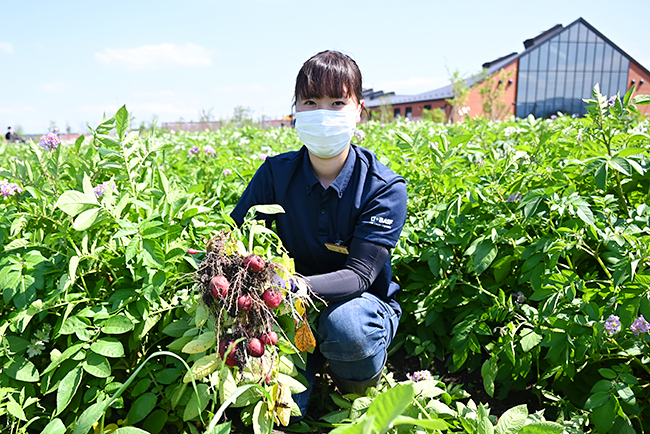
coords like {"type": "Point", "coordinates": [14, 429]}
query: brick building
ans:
{"type": "Point", "coordinates": [556, 70]}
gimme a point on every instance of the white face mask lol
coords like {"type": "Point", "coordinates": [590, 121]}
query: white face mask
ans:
{"type": "Point", "coordinates": [326, 133]}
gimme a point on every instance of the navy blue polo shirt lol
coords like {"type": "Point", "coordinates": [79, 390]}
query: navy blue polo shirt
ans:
{"type": "Point", "coordinates": [367, 200]}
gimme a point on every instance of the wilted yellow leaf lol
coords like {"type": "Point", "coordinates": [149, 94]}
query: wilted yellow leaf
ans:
{"type": "Point", "coordinates": [283, 404]}
{"type": "Point", "coordinates": [108, 429]}
{"type": "Point", "coordinates": [305, 338]}
{"type": "Point", "coordinates": [300, 308]}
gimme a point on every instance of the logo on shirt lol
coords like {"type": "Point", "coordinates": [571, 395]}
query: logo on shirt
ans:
{"type": "Point", "coordinates": [381, 221]}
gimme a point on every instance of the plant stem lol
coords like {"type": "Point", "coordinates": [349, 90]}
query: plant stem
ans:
{"type": "Point", "coordinates": [621, 195]}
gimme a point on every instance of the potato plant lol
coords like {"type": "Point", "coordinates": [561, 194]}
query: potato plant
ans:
{"type": "Point", "coordinates": [525, 256]}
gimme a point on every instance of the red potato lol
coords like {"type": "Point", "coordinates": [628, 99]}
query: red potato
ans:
{"type": "Point", "coordinates": [244, 302]}
{"type": "Point", "coordinates": [254, 263]}
{"type": "Point", "coordinates": [270, 338]}
{"type": "Point", "coordinates": [230, 359]}
{"type": "Point", "coordinates": [272, 298]}
{"type": "Point", "coordinates": [256, 348]}
{"type": "Point", "coordinates": [219, 286]}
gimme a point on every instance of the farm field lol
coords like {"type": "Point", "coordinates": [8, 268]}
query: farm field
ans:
{"type": "Point", "coordinates": [524, 266]}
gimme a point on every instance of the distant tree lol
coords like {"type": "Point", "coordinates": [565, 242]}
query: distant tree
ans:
{"type": "Point", "coordinates": [206, 115]}
{"type": "Point", "coordinates": [460, 92]}
{"type": "Point", "coordinates": [437, 115]}
{"type": "Point", "coordinates": [53, 127]}
{"type": "Point", "coordinates": [491, 89]}
{"type": "Point", "coordinates": [242, 116]}
{"type": "Point", "coordinates": [385, 115]}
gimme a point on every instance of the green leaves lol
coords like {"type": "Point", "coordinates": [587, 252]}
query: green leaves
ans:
{"type": "Point", "coordinates": [201, 343]}
{"type": "Point", "coordinates": [489, 372]}
{"type": "Point", "coordinates": [641, 99]}
{"type": "Point", "coordinates": [67, 389]}
{"type": "Point", "coordinates": [97, 365]}
{"type": "Point", "coordinates": [22, 369]}
{"type": "Point", "coordinates": [142, 407]}
{"type": "Point", "coordinates": [122, 122]}
{"type": "Point", "coordinates": [74, 202]}
{"type": "Point", "coordinates": [517, 247]}
{"type": "Point", "coordinates": [486, 252]}
{"type": "Point", "coordinates": [117, 324]}
{"type": "Point", "coordinates": [108, 347]}
{"type": "Point", "coordinates": [512, 421]}
{"type": "Point", "coordinates": [386, 410]}
{"type": "Point", "coordinates": [89, 417]}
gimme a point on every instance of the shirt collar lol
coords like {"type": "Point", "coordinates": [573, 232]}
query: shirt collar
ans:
{"type": "Point", "coordinates": [342, 180]}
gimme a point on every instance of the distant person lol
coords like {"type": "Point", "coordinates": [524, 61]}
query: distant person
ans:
{"type": "Point", "coordinates": [11, 136]}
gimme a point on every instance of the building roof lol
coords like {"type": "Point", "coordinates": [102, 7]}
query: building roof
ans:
{"type": "Point", "coordinates": [378, 98]}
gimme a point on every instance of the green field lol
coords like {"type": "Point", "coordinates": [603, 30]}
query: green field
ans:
{"type": "Point", "coordinates": [525, 257]}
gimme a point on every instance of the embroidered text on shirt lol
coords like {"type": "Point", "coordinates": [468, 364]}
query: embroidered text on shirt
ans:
{"type": "Point", "coordinates": [381, 221]}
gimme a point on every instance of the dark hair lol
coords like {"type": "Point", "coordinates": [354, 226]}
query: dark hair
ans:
{"type": "Point", "coordinates": [329, 74]}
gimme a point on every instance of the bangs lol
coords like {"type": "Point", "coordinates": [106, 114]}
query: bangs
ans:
{"type": "Point", "coordinates": [329, 75]}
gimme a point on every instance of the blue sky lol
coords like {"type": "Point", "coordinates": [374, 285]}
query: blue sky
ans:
{"type": "Point", "coordinates": [69, 62]}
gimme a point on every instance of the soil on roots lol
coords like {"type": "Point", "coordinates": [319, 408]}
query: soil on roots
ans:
{"type": "Point", "coordinates": [232, 323]}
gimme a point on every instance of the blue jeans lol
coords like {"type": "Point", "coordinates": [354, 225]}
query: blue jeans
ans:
{"type": "Point", "coordinates": [353, 337]}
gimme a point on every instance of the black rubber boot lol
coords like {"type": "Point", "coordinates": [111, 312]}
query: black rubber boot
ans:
{"type": "Point", "coordinates": [358, 387]}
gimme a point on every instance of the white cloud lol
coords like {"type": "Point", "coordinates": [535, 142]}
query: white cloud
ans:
{"type": "Point", "coordinates": [6, 47]}
{"type": "Point", "coordinates": [155, 56]}
{"type": "Point", "coordinates": [57, 87]}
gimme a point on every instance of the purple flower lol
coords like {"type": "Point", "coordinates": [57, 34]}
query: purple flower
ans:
{"type": "Point", "coordinates": [553, 116]}
{"type": "Point", "coordinates": [640, 325]}
{"type": "Point", "coordinates": [101, 188]}
{"type": "Point", "coordinates": [419, 376]}
{"type": "Point", "coordinates": [613, 325]}
{"type": "Point", "coordinates": [514, 197]}
{"type": "Point", "coordinates": [519, 298]}
{"type": "Point", "coordinates": [227, 172]}
{"type": "Point", "coordinates": [209, 150]}
{"type": "Point", "coordinates": [49, 142]}
{"type": "Point", "coordinates": [359, 134]}
{"type": "Point", "coordinates": [612, 101]}
{"type": "Point", "coordinates": [262, 157]}
{"type": "Point", "coordinates": [9, 188]}
{"type": "Point", "coordinates": [194, 150]}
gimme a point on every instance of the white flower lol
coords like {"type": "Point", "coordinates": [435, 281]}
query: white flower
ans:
{"type": "Point", "coordinates": [642, 128]}
{"type": "Point", "coordinates": [419, 376]}
{"type": "Point", "coordinates": [42, 336]}
{"type": "Point", "coordinates": [35, 348]}
{"type": "Point", "coordinates": [509, 131]}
